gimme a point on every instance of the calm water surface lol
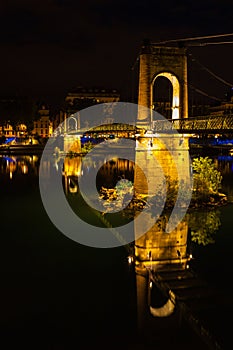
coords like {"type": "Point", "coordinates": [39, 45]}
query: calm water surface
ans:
{"type": "Point", "coordinates": [56, 293]}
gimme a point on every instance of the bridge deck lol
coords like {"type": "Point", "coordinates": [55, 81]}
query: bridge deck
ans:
{"type": "Point", "coordinates": [203, 124]}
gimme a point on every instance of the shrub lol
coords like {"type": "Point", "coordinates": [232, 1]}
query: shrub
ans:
{"type": "Point", "coordinates": [206, 178]}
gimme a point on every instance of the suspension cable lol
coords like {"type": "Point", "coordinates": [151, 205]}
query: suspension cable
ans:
{"type": "Point", "coordinates": [210, 72]}
{"type": "Point", "coordinates": [194, 38]}
{"type": "Point", "coordinates": [204, 93]}
{"type": "Point", "coordinates": [214, 43]}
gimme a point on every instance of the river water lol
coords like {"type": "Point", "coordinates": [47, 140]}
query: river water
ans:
{"type": "Point", "coordinates": [59, 294]}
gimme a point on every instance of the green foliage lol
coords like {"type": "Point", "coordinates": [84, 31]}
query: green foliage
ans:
{"type": "Point", "coordinates": [124, 186]}
{"type": "Point", "coordinates": [203, 225]}
{"type": "Point", "coordinates": [87, 147]}
{"type": "Point", "coordinates": [122, 189]}
{"type": "Point", "coordinates": [117, 197]}
{"type": "Point", "coordinates": [206, 178]}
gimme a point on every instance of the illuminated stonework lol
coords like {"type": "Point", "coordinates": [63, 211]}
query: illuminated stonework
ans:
{"type": "Point", "coordinates": [158, 247]}
{"type": "Point", "coordinates": [175, 93]}
{"type": "Point", "coordinates": [168, 62]}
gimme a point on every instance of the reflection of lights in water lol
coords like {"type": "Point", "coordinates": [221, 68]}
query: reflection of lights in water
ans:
{"type": "Point", "coordinates": [167, 309]}
{"type": "Point", "coordinates": [10, 166]}
{"type": "Point", "coordinates": [130, 259]}
{"type": "Point", "coordinates": [73, 188]}
{"type": "Point", "coordinates": [24, 169]}
{"type": "Point", "coordinates": [56, 166]}
{"type": "Point", "coordinates": [18, 164]}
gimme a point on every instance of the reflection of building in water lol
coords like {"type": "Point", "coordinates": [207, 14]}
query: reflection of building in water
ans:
{"type": "Point", "coordinates": [157, 250]}
{"type": "Point", "coordinates": [117, 165]}
{"type": "Point", "coordinates": [111, 171]}
{"type": "Point", "coordinates": [19, 165]}
{"type": "Point", "coordinates": [45, 171]}
{"type": "Point", "coordinates": [72, 166]}
{"type": "Point", "coordinates": [157, 247]}
{"type": "Point", "coordinates": [162, 160]}
{"type": "Point", "coordinates": [10, 166]}
{"type": "Point", "coordinates": [72, 169]}
{"type": "Point", "coordinates": [108, 175]}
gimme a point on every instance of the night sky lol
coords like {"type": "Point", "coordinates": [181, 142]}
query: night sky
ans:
{"type": "Point", "coordinates": [50, 46]}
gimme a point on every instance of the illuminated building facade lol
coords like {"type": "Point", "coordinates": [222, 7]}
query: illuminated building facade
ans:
{"type": "Point", "coordinates": [81, 97]}
{"type": "Point", "coordinates": [43, 126]}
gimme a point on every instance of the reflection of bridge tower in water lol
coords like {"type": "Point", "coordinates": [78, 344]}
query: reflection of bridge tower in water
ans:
{"type": "Point", "coordinates": [156, 248]}
{"type": "Point", "coordinates": [72, 169]}
{"type": "Point", "coordinates": [158, 251]}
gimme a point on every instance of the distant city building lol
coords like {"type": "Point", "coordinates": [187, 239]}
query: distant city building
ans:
{"type": "Point", "coordinates": [59, 118]}
{"type": "Point", "coordinates": [199, 109]}
{"type": "Point", "coordinates": [91, 96]}
{"type": "Point", "coordinates": [21, 130]}
{"type": "Point", "coordinates": [43, 126]}
{"type": "Point", "coordinates": [224, 108]}
{"type": "Point", "coordinates": [8, 130]}
{"type": "Point", "coordinates": [164, 108]}
{"type": "Point", "coordinates": [80, 98]}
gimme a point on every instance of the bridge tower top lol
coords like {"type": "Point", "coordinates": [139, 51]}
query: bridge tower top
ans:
{"type": "Point", "coordinates": [169, 62]}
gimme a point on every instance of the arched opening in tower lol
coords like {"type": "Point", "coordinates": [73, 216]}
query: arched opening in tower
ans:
{"type": "Point", "coordinates": [72, 123]}
{"type": "Point", "coordinates": [166, 95]}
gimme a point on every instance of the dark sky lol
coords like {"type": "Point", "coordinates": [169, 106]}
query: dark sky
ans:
{"type": "Point", "coordinates": [50, 46]}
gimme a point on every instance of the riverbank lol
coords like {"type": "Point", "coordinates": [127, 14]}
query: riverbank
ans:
{"type": "Point", "coordinates": [194, 150]}
{"type": "Point", "coordinates": [210, 150]}
{"type": "Point", "coordinates": [21, 149]}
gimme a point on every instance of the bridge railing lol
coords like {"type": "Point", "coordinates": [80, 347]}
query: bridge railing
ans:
{"type": "Point", "coordinates": [197, 124]}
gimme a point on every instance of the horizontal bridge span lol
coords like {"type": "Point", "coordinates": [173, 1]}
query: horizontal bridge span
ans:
{"type": "Point", "coordinates": [203, 124]}
{"type": "Point", "coordinates": [195, 125]}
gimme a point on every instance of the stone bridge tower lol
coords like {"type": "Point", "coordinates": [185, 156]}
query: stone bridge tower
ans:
{"type": "Point", "coordinates": [171, 63]}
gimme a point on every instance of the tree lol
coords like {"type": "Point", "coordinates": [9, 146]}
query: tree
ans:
{"type": "Point", "coordinates": [206, 178]}
{"type": "Point", "coordinates": [203, 226]}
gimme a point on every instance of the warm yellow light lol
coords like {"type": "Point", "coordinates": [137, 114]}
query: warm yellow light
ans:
{"type": "Point", "coordinates": [130, 259]}
{"type": "Point", "coordinates": [24, 169]}
{"type": "Point", "coordinates": [175, 95]}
